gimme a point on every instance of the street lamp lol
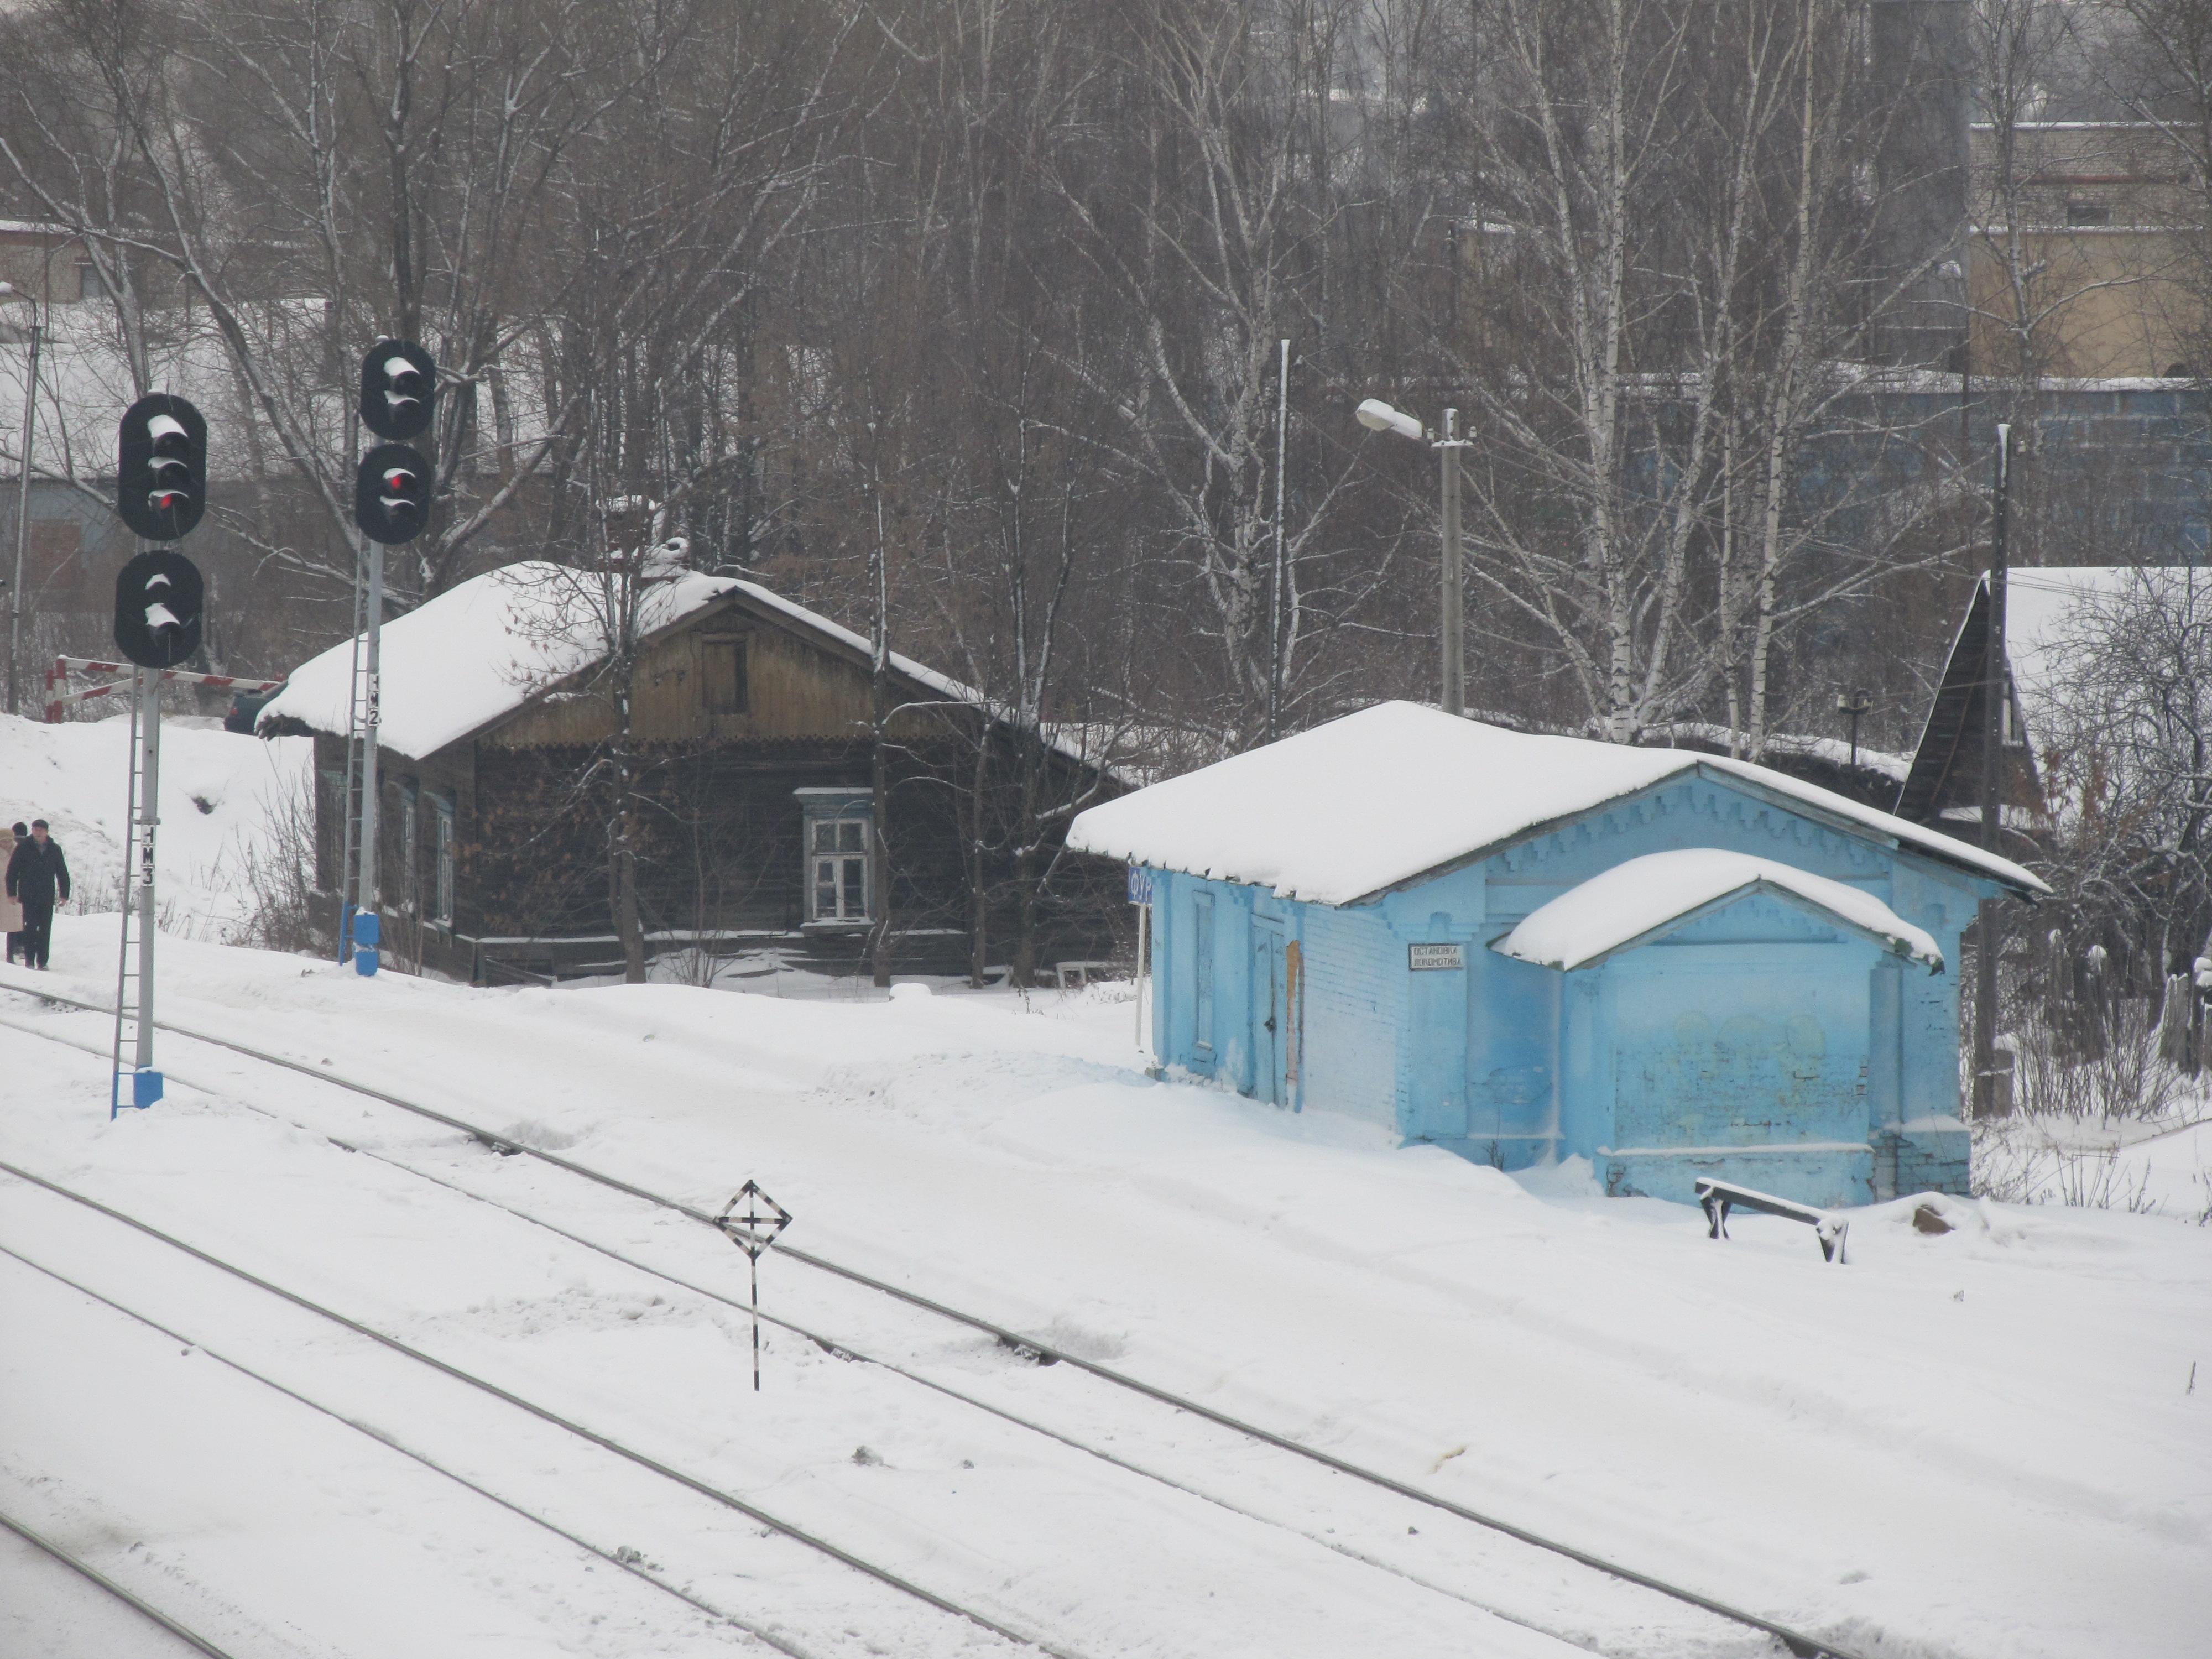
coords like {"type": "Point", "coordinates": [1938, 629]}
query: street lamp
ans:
{"type": "Point", "coordinates": [16, 334]}
{"type": "Point", "coordinates": [1378, 416]}
{"type": "Point", "coordinates": [1853, 703]}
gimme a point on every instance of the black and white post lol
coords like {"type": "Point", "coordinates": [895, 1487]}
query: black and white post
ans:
{"type": "Point", "coordinates": [753, 1231]}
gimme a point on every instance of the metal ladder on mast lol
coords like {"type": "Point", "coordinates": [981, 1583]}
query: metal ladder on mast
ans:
{"type": "Point", "coordinates": [134, 1001]}
{"type": "Point", "coordinates": [350, 791]}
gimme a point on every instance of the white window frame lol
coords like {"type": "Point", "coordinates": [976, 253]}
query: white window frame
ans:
{"type": "Point", "coordinates": [845, 819]}
{"type": "Point", "coordinates": [411, 856]}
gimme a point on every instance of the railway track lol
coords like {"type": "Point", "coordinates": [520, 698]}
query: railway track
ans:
{"type": "Point", "coordinates": [1796, 1641]}
{"type": "Point", "coordinates": [91, 1575]}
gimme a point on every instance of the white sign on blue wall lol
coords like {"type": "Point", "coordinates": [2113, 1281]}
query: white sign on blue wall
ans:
{"type": "Point", "coordinates": [1432, 958]}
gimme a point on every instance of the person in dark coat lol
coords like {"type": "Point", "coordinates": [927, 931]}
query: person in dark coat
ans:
{"type": "Point", "coordinates": [8, 908]}
{"type": "Point", "coordinates": [38, 874]}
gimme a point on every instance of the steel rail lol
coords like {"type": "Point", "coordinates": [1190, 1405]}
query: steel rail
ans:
{"type": "Point", "coordinates": [837, 1346]}
{"type": "Point", "coordinates": [145, 1609]}
{"type": "Point", "coordinates": [605, 1443]}
{"type": "Point", "coordinates": [636, 1569]}
{"type": "Point", "coordinates": [1800, 1644]}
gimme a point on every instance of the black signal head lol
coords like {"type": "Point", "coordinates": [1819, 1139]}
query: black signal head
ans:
{"type": "Point", "coordinates": [392, 495]}
{"type": "Point", "coordinates": [398, 389]}
{"type": "Point", "coordinates": [159, 600]}
{"type": "Point", "coordinates": [160, 484]}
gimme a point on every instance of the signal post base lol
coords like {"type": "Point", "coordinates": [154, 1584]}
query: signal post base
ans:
{"type": "Point", "coordinates": [145, 1088]}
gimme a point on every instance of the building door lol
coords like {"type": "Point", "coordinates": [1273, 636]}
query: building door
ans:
{"type": "Point", "coordinates": [1270, 1020]}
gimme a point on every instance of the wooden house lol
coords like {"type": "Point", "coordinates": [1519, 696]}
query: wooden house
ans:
{"type": "Point", "coordinates": [1529, 949]}
{"type": "Point", "coordinates": [750, 727]}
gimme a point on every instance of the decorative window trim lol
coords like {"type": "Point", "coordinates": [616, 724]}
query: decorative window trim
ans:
{"type": "Point", "coordinates": [1202, 965]}
{"type": "Point", "coordinates": [444, 815]}
{"type": "Point", "coordinates": [410, 848]}
{"type": "Point", "coordinates": [836, 882]}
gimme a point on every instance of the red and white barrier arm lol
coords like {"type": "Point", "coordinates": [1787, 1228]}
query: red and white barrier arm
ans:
{"type": "Point", "coordinates": [64, 665]}
{"type": "Point", "coordinates": [54, 704]}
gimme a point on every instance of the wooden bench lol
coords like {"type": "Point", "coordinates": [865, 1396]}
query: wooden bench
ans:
{"type": "Point", "coordinates": [1717, 1198]}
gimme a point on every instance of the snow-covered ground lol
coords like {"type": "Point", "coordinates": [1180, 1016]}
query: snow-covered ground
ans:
{"type": "Point", "coordinates": [1980, 1442]}
{"type": "Point", "coordinates": [220, 792]}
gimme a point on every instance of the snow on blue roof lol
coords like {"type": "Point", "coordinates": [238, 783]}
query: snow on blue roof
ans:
{"type": "Point", "coordinates": [1641, 897]}
{"type": "Point", "coordinates": [1345, 811]}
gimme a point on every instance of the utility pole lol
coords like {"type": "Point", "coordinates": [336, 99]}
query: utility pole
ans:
{"type": "Point", "coordinates": [1996, 698]}
{"type": "Point", "coordinates": [22, 525]}
{"type": "Point", "coordinates": [1275, 587]}
{"type": "Point", "coordinates": [1378, 416]}
{"type": "Point", "coordinates": [1455, 619]}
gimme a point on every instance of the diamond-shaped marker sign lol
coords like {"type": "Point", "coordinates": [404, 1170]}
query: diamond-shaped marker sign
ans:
{"type": "Point", "coordinates": [753, 1229]}
{"type": "Point", "coordinates": [757, 1227]}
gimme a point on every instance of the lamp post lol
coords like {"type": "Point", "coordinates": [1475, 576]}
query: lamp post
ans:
{"type": "Point", "coordinates": [1854, 704]}
{"type": "Point", "coordinates": [1378, 416]}
{"type": "Point", "coordinates": [16, 334]}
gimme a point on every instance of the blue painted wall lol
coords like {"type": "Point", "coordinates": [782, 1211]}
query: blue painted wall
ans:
{"type": "Point", "coordinates": [1758, 1044]}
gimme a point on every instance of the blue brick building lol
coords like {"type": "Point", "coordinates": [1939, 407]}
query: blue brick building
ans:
{"type": "Point", "coordinates": [1527, 949]}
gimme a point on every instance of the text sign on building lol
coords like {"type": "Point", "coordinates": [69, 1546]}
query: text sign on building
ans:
{"type": "Point", "coordinates": [1140, 885]}
{"type": "Point", "coordinates": [1431, 959]}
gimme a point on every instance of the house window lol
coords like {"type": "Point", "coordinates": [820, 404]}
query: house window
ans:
{"type": "Point", "coordinates": [1202, 966]}
{"type": "Point", "coordinates": [2088, 213]}
{"type": "Point", "coordinates": [88, 283]}
{"type": "Point", "coordinates": [838, 823]}
{"type": "Point", "coordinates": [441, 905]}
{"type": "Point", "coordinates": [724, 681]}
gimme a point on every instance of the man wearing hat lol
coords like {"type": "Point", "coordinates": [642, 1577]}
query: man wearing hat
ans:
{"type": "Point", "coordinates": [37, 874]}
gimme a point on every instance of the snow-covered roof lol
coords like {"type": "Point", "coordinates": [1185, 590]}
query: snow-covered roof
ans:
{"type": "Point", "coordinates": [1642, 897]}
{"type": "Point", "coordinates": [481, 650]}
{"type": "Point", "coordinates": [476, 652]}
{"type": "Point", "coordinates": [1345, 811]}
{"type": "Point", "coordinates": [1834, 752]}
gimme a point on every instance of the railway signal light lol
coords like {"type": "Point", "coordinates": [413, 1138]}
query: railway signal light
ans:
{"type": "Point", "coordinates": [158, 600]}
{"type": "Point", "coordinates": [392, 495]}
{"type": "Point", "coordinates": [161, 477]}
{"type": "Point", "coordinates": [398, 390]}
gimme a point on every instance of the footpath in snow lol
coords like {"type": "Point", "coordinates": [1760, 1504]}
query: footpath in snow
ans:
{"type": "Point", "coordinates": [1983, 1443]}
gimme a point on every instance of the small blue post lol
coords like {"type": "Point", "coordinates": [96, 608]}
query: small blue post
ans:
{"type": "Point", "coordinates": [145, 1090]}
{"type": "Point", "coordinates": [367, 934]}
{"type": "Point", "coordinates": [345, 937]}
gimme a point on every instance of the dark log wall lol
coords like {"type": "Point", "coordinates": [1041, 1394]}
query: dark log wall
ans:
{"type": "Point", "coordinates": [721, 843]}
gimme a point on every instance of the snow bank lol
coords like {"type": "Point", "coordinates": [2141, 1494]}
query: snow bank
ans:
{"type": "Point", "coordinates": [1980, 1444]}
{"type": "Point", "coordinates": [1340, 812]}
{"type": "Point", "coordinates": [221, 793]}
{"type": "Point", "coordinates": [1630, 901]}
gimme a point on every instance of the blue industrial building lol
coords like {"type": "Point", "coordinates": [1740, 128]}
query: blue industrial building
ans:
{"type": "Point", "coordinates": [1527, 949]}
